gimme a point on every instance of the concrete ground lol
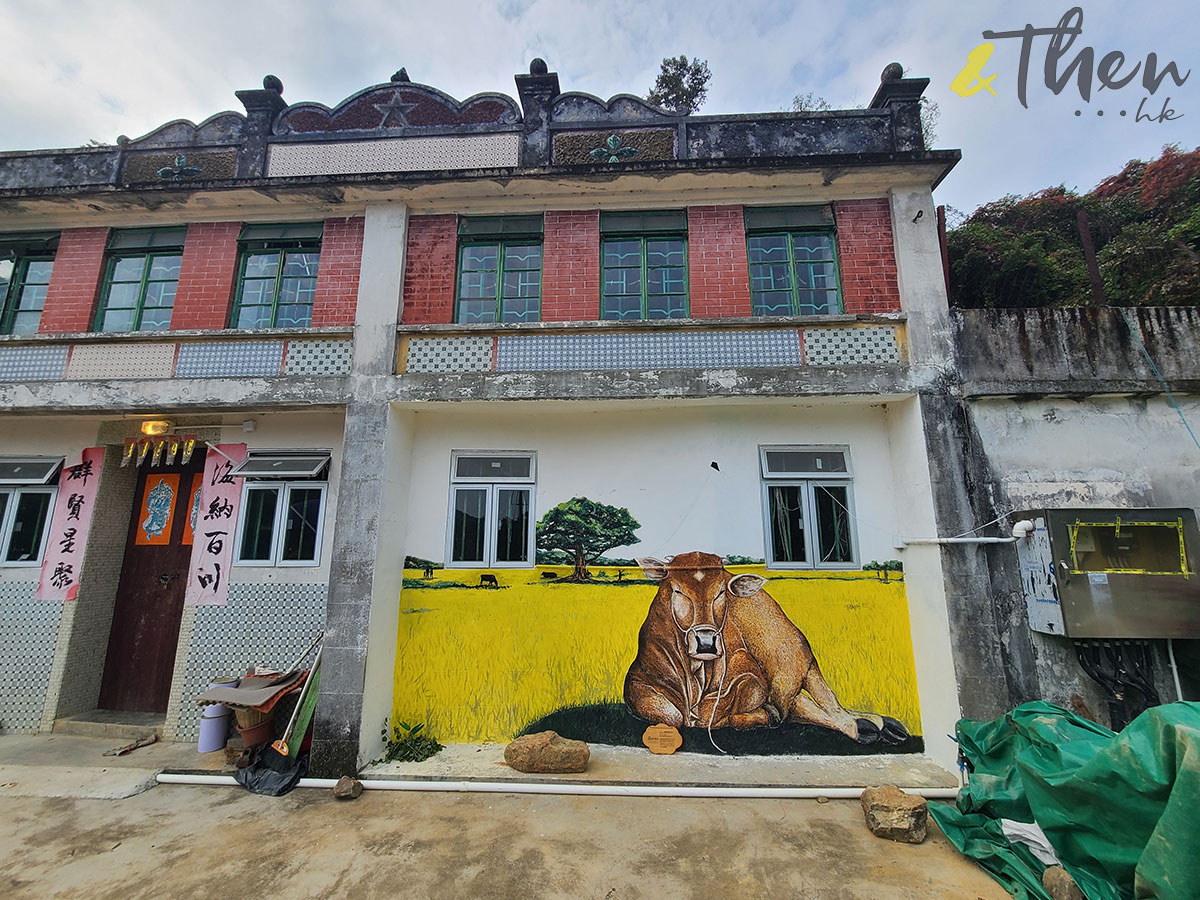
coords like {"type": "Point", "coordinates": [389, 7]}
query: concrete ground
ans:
{"type": "Point", "coordinates": [198, 842]}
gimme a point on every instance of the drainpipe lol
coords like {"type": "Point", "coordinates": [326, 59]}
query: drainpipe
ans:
{"type": "Point", "coordinates": [575, 789]}
{"type": "Point", "coordinates": [1021, 530]}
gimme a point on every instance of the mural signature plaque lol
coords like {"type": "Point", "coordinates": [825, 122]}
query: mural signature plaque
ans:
{"type": "Point", "coordinates": [662, 739]}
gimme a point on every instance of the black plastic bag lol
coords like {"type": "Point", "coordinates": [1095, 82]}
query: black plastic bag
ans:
{"type": "Point", "coordinates": [271, 773]}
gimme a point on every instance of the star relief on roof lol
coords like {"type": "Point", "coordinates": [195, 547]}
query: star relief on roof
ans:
{"type": "Point", "coordinates": [395, 112]}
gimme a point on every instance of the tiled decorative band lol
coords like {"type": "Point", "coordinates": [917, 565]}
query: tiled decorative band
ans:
{"type": "Point", "coordinates": [32, 363]}
{"type": "Point", "coordinates": [227, 358]}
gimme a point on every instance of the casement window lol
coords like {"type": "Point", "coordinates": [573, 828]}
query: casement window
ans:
{"type": "Point", "coordinates": [25, 265]}
{"type": "Point", "coordinates": [277, 276]}
{"type": "Point", "coordinates": [644, 262]}
{"type": "Point", "coordinates": [491, 509]}
{"type": "Point", "coordinates": [499, 269]}
{"type": "Point", "coordinates": [140, 279]}
{"type": "Point", "coordinates": [808, 507]}
{"type": "Point", "coordinates": [792, 252]}
{"type": "Point", "coordinates": [26, 502]}
{"type": "Point", "coordinates": [282, 516]}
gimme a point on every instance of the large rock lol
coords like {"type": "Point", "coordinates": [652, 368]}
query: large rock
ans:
{"type": "Point", "coordinates": [547, 752]}
{"type": "Point", "coordinates": [348, 788]}
{"type": "Point", "coordinates": [1060, 885]}
{"type": "Point", "coordinates": [895, 815]}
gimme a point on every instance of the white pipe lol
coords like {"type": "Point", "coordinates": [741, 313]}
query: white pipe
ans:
{"type": "Point", "coordinates": [960, 540]}
{"type": "Point", "coordinates": [1174, 669]}
{"type": "Point", "coordinates": [595, 790]}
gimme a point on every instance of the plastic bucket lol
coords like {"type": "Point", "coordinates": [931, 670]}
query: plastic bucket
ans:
{"type": "Point", "coordinates": [214, 721]}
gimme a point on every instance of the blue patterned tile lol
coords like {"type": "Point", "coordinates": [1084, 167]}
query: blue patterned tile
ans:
{"type": "Point", "coordinates": [449, 354]}
{"type": "Point", "coordinates": [28, 631]}
{"type": "Point", "coordinates": [671, 350]}
{"type": "Point", "coordinates": [227, 358]}
{"type": "Point", "coordinates": [318, 357]}
{"type": "Point", "coordinates": [851, 346]}
{"type": "Point", "coordinates": [32, 363]}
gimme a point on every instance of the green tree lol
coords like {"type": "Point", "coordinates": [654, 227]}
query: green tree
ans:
{"type": "Point", "coordinates": [585, 529]}
{"type": "Point", "coordinates": [681, 85]}
{"type": "Point", "coordinates": [810, 102]}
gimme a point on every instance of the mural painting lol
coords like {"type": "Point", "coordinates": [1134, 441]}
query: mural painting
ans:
{"type": "Point", "coordinates": [716, 650]}
{"type": "Point", "coordinates": [594, 647]}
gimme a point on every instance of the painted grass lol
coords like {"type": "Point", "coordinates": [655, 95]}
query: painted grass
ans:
{"type": "Point", "coordinates": [477, 664]}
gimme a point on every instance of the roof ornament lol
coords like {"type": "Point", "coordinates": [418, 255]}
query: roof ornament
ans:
{"type": "Point", "coordinates": [611, 151]}
{"type": "Point", "coordinates": [537, 66]}
{"type": "Point", "coordinates": [180, 170]}
{"type": "Point", "coordinates": [892, 72]}
{"type": "Point", "coordinates": [401, 77]}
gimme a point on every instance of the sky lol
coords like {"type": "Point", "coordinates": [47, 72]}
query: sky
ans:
{"type": "Point", "coordinates": [78, 71]}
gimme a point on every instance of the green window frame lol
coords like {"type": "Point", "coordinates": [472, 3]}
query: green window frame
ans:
{"type": "Point", "coordinates": [140, 280]}
{"type": "Point", "coordinates": [25, 268]}
{"type": "Point", "coordinates": [793, 261]}
{"type": "Point", "coordinates": [277, 276]}
{"type": "Point", "coordinates": [499, 277]}
{"type": "Point", "coordinates": [644, 265]}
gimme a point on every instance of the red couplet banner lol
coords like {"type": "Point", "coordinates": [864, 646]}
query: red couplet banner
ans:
{"type": "Point", "coordinates": [69, 527]}
{"type": "Point", "coordinates": [216, 522]}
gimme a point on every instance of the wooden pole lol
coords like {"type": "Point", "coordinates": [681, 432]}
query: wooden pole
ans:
{"type": "Point", "coordinates": [1089, 255]}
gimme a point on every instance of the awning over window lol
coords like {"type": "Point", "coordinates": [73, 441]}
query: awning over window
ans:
{"type": "Point", "coordinates": [282, 464]}
{"type": "Point", "coordinates": [29, 469]}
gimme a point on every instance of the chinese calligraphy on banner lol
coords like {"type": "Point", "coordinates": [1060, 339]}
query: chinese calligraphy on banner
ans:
{"type": "Point", "coordinates": [69, 527]}
{"type": "Point", "coordinates": [212, 549]}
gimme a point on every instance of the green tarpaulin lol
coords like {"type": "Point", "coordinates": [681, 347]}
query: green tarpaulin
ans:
{"type": "Point", "coordinates": [1121, 810]}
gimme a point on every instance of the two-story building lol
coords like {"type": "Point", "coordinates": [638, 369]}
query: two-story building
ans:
{"type": "Point", "coordinates": [457, 381]}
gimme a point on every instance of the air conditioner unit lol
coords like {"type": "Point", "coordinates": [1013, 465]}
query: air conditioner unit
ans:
{"type": "Point", "coordinates": [1111, 573]}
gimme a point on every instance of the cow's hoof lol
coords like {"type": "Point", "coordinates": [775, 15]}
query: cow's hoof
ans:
{"type": "Point", "coordinates": [893, 732]}
{"type": "Point", "coordinates": [868, 731]}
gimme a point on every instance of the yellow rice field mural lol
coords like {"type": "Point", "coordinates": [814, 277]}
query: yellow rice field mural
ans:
{"type": "Point", "coordinates": [481, 663]}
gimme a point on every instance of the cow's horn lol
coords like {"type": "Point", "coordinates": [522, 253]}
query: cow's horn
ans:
{"type": "Point", "coordinates": [746, 585]}
{"type": "Point", "coordinates": [655, 569]}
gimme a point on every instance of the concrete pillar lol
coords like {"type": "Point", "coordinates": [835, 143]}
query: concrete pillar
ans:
{"type": "Point", "coordinates": [368, 555]}
{"type": "Point", "coordinates": [922, 287]}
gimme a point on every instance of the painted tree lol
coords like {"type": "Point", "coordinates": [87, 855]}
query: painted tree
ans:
{"type": "Point", "coordinates": [681, 85]}
{"type": "Point", "coordinates": [585, 529]}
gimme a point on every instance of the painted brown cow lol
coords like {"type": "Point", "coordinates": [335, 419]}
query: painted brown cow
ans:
{"type": "Point", "coordinates": [716, 650]}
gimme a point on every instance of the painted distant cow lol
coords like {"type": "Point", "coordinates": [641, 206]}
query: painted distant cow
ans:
{"type": "Point", "coordinates": [716, 650]}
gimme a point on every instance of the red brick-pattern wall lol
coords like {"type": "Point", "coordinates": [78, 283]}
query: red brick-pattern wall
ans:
{"type": "Point", "coordinates": [867, 256]}
{"type": "Point", "coordinates": [718, 274]}
{"type": "Point", "coordinates": [571, 266]}
{"type": "Point", "coordinates": [429, 270]}
{"type": "Point", "coordinates": [337, 276]}
{"type": "Point", "coordinates": [74, 281]}
{"type": "Point", "coordinates": [207, 275]}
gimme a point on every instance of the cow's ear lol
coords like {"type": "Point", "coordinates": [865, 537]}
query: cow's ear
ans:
{"type": "Point", "coordinates": [655, 569]}
{"type": "Point", "coordinates": [746, 585]}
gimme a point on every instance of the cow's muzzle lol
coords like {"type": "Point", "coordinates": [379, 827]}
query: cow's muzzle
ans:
{"type": "Point", "coordinates": [704, 642]}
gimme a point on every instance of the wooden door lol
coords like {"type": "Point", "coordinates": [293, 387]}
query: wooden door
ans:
{"type": "Point", "coordinates": [149, 605]}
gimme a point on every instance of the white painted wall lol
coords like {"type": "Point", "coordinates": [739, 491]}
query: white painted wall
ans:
{"type": "Point", "coordinates": [43, 436]}
{"type": "Point", "coordinates": [656, 463]}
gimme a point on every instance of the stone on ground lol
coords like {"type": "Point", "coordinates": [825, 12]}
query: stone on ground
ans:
{"type": "Point", "coordinates": [347, 788]}
{"type": "Point", "coordinates": [1060, 885]}
{"type": "Point", "coordinates": [895, 815]}
{"type": "Point", "coordinates": [547, 752]}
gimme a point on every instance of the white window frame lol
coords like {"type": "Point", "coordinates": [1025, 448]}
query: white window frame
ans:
{"type": "Point", "coordinates": [807, 481]}
{"type": "Point", "coordinates": [493, 486]}
{"type": "Point", "coordinates": [9, 519]}
{"type": "Point", "coordinates": [278, 527]}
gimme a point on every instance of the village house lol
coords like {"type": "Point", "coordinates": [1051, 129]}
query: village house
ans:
{"type": "Point", "coordinates": [307, 367]}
